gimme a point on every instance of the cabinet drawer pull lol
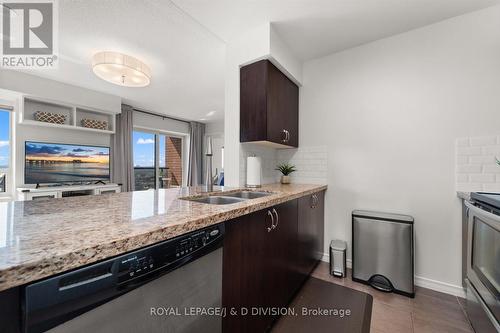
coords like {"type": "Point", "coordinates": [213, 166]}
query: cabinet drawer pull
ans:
{"type": "Point", "coordinates": [272, 221]}
{"type": "Point", "coordinates": [277, 217]}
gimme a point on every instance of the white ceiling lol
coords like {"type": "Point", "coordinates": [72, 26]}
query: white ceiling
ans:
{"type": "Point", "coordinates": [183, 41]}
{"type": "Point", "coordinates": [314, 28]}
{"type": "Point", "coordinates": [187, 61]}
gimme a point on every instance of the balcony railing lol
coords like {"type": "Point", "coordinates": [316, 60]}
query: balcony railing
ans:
{"type": "Point", "coordinates": [145, 178]}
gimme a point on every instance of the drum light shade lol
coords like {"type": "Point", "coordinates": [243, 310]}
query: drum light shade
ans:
{"type": "Point", "coordinates": [121, 69]}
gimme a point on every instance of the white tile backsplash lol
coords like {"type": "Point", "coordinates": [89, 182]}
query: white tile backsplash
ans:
{"type": "Point", "coordinates": [269, 160]}
{"type": "Point", "coordinates": [483, 141]}
{"type": "Point", "coordinates": [468, 151]}
{"type": "Point", "coordinates": [476, 168]}
{"type": "Point", "coordinates": [311, 164]}
{"type": "Point", "coordinates": [482, 178]}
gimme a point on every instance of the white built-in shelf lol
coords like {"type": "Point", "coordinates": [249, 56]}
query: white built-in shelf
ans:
{"type": "Point", "coordinates": [74, 114]}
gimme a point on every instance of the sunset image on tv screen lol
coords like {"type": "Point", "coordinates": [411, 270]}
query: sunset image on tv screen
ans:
{"type": "Point", "coordinates": [56, 163]}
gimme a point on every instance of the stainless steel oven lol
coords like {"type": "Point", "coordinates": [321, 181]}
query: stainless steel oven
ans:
{"type": "Point", "coordinates": [483, 265]}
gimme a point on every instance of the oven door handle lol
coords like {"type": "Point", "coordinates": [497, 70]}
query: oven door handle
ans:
{"type": "Point", "coordinates": [486, 217]}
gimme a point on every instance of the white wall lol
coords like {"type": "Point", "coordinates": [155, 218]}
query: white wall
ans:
{"type": "Point", "coordinates": [389, 113]}
{"type": "Point", "coordinates": [283, 58]}
{"type": "Point", "coordinates": [157, 123]}
{"type": "Point", "coordinates": [41, 87]}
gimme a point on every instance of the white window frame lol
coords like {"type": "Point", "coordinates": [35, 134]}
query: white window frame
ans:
{"type": "Point", "coordinates": [156, 132]}
{"type": "Point", "coordinates": [10, 171]}
{"type": "Point", "coordinates": [214, 135]}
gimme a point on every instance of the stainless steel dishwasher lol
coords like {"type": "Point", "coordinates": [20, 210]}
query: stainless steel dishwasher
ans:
{"type": "Point", "coordinates": [172, 286]}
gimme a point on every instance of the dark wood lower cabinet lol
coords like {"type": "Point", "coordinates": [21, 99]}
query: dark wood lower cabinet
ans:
{"type": "Point", "coordinates": [283, 280]}
{"type": "Point", "coordinates": [245, 271]}
{"type": "Point", "coordinates": [311, 228]}
{"type": "Point", "coordinates": [267, 256]}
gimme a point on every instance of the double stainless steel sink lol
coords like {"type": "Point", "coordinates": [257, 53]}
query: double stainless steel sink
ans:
{"type": "Point", "coordinates": [230, 198]}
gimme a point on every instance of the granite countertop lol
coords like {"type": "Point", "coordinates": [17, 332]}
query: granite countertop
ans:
{"type": "Point", "coordinates": [43, 238]}
{"type": "Point", "coordinates": [463, 195]}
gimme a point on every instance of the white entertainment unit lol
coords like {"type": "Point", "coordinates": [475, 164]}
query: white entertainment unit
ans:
{"type": "Point", "coordinates": [76, 118]}
{"type": "Point", "coordinates": [52, 192]}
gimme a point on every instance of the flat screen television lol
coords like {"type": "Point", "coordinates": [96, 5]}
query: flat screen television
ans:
{"type": "Point", "coordinates": [49, 163]}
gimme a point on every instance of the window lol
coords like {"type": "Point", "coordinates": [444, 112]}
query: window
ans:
{"type": "Point", "coordinates": [5, 151]}
{"type": "Point", "coordinates": [158, 160]}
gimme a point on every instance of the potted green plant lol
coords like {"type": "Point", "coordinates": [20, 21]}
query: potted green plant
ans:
{"type": "Point", "coordinates": [285, 169]}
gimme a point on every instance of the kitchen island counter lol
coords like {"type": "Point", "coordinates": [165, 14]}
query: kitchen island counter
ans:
{"type": "Point", "coordinates": [43, 238]}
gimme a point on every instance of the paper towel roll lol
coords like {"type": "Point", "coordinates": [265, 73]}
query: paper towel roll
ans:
{"type": "Point", "coordinates": [254, 171]}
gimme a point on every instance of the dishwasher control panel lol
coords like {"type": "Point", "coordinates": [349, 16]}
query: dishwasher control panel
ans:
{"type": "Point", "coordinates": [142, 262]}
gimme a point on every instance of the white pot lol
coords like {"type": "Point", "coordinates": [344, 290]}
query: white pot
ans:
{"type": "Point", "coordinates": [285, 179]}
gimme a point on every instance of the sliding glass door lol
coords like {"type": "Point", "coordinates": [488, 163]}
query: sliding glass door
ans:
{"type": "Point", "coordinates": [144, 160]}
{"type": "Point", "coordinates": [158, 160]}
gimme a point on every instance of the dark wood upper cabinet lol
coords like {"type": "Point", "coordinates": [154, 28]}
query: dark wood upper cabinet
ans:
{"type": "Point", "coordinates": [269, 106]}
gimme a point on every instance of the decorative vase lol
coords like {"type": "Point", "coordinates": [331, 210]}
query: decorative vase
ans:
{"type": "Point", "coordinates": [285, 179]}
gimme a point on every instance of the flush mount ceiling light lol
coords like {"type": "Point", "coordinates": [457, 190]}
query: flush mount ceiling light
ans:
{"type": "Point", "coordinates": [121, 69]}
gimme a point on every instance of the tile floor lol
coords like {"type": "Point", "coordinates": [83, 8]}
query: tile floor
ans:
{"type": "Point", "coordinates": [429, 311]}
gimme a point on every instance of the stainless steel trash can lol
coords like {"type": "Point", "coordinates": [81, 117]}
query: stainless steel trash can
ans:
{"type": "Point", "coordinates": [338, 258]}
{"type": "Point", "coordinates": [382, 251]}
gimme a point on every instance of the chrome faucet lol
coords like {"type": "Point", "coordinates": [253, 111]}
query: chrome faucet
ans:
{"type": "Point", "coordinates": [209, 180]}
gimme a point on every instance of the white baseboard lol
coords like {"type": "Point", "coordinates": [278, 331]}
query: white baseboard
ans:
{"type": "Point", "coordinates": [420, 281]}
{"type": "Point", "coordinates": [443, 287]}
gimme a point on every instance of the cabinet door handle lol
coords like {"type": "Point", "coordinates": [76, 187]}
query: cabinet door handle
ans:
{"type": "Point", "coordinates": [272, 221]}
{"type": "Point", "coordinates": [277, 218]}
{"type": "Point", "coordinates": [286, 136]}
{"type": "Point", "coordinates": [313, 201]}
